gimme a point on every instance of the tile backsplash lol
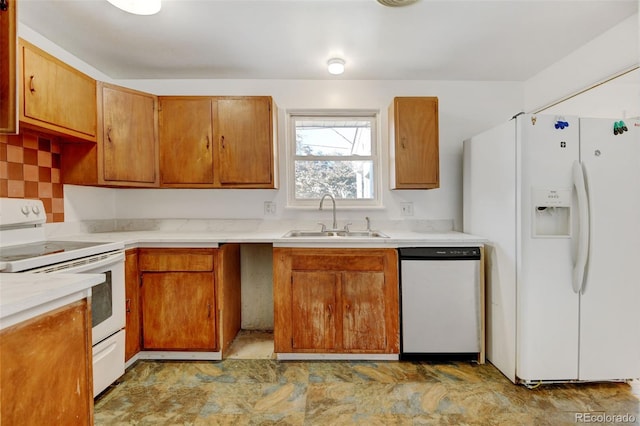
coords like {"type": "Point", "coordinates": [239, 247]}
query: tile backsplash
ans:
{"type": "Point", "coordinates": [30, 168]}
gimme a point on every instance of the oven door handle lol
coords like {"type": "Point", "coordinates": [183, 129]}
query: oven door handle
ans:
{"type": "Point", "coordinates": [84, 267]}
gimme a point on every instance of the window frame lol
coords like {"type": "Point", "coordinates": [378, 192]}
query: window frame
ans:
{"type": "Point", "coordinates": [335, 114]}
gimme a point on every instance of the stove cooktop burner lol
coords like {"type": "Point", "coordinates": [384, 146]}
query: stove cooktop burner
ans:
{"type": "Point", "coordinates": [42, 248]}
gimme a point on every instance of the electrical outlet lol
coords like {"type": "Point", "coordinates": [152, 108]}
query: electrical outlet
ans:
{"type": "Point", "coordinates": [406, 209]}
{"type": "Point", "coordinates": [269, 208]}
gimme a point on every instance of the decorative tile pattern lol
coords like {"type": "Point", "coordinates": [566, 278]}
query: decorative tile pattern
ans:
{"type": "Point", "coordinates": [30, 168]}
{"type": "Point", "coordinates": [266, 391]}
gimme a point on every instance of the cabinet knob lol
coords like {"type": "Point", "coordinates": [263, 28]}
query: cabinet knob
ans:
{"type": "Point", "coordinates": [32, 88]}
{"type": "Point", "coordinates": [402, 141]}
{"type": "Point", "coordinates": [109, 133]}
{"type": "Point", "coordinates": [222, 141]}
{"type": "Point", "coordinates": [207, 137]}
{"type": "Point", "coordinates": [128, 306]}
{"type": "Point", "coordinates": [4, 5]}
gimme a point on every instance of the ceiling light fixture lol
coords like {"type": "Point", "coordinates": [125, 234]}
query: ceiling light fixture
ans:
{"type": "Point", "coordinates": [396, 3]}
{"type": "Point", "coordinates": [335, 66]}
{"type": "Point", "coordinates": [138, 7]}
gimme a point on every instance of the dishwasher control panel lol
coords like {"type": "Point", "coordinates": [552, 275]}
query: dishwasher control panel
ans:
{"type": "Point", "coordinates": [440, 253]}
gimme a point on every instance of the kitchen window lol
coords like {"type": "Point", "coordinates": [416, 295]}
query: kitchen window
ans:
{"type": "Point", "coordinates": [336, 153]}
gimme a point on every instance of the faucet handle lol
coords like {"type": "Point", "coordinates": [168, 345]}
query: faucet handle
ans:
{"type": "Point", "coordinates": [346, 226]}
{"type": "Point", "coordinates": [368, 223]}
{"type": "Point", "coordinates": [324, 227]}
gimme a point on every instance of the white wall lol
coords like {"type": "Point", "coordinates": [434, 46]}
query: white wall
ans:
{"type": "Point", "coordinates": [88, 203]}
{"type": "Point", "coordinates": [612, 53]}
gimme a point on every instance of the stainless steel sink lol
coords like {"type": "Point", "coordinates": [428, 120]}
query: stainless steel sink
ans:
{"type": "Point", "coordinates": [342, 234]}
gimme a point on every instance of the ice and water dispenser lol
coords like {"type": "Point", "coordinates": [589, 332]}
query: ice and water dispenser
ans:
{"type": "Point", "coordinates": [552, 212]}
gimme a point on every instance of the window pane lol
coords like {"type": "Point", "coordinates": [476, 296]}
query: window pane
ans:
{"type": "Point", "coordinates": [333, 138]}
{"type": "Point", "coordinates": [342, 179]}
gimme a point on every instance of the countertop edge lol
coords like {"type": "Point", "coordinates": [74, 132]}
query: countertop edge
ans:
{"type": "Point", "coordinates": [46, 293]}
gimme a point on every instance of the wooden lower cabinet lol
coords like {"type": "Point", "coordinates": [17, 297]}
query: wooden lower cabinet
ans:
{"type": "Point", "coordinates": [189, 298]}
{"type": "Point", "coordinates": [178, 310]}
{"type": "Point", "coordinates": [132, 307]}
{"type": "Point", "coordinates": [46, 369]}
{"type": "Point", "coordinates": [178, 299]}
{"type": "Point", "coordinates": [336, 300]}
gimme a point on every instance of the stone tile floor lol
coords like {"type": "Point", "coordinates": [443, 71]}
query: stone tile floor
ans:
{"type": "Point", "coordinates": [270, 392]}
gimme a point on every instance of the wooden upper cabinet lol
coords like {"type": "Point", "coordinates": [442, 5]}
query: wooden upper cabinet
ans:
{"type": "Point", "coordinates": [8, 69]}
{"type": "Point", "coordinates": [216, 142]}
{"type": "Point", "coordinates": [56, 98]}
{"type": "Point", "coordinates": [126, 153]}
{"type": "Point", "coordinates": [186, 142]}
{"type": "Point", "coordinates": [128, 136]}
{"type": "Point", "coordinates": [413, 142]}
{"type": "Point", "coordinates": [245, 141]}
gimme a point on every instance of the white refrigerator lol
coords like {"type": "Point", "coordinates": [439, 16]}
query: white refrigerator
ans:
{"type": "Point", "coordinates": [558, 198]}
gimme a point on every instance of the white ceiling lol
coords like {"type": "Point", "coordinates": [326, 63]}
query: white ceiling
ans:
{"type": "Point", "coordinates": [504, 40]}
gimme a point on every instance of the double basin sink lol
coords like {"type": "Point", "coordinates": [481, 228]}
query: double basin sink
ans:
{"type": "Point", "coordinates": [335, 234]}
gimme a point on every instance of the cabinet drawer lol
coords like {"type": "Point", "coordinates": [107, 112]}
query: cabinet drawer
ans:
{"type": "Point", "coordinates": [164, 260]}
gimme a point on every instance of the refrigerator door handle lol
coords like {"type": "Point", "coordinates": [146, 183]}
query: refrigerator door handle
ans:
{"type": "Point", "coordinates": [583, 225]}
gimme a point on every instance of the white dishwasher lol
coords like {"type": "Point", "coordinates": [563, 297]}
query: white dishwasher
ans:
{"type": "Point", "coordinates": [440, 301]}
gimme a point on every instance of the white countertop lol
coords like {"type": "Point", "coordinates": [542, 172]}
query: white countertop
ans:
{"type": "Point", "coordinates": [25, 295]}
{"type": "Point", "coordinates": [195, 239]}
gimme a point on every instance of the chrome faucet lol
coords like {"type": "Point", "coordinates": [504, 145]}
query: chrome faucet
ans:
{"type": "Point", "coordinates": [333, 200]}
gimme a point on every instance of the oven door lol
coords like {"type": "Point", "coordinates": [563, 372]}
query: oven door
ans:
{"type": "Point", "coordinates": [107, 298]}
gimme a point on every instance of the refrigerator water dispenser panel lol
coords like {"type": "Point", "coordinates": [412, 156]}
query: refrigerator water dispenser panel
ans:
{"type": "Point", "coordinates": [552, 212]}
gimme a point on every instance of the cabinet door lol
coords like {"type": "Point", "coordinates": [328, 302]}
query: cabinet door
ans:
{"type": "Point", "coordinates": [128, 136]}
{"type": "Point", "coordinates": [178, 310]}
{"type": "Point", "coordinates": [132, 300]}
{"type": "Point", "coordinates": [416, 143]}
{"type": "Point", "coordinates": [186, 144]}
{"type": "Point", "coordinates": [363, 311]}
{"type": "Point", "coordinates": [245, 142]}
{"type": "Point", "coordinates": [57, 97]}
{"type": "Point", "coordinates": [8, 82]}
{"type": "Point", "coordinates": [313, 310]}
{"type": "Point", "coordinates": [335, 300]}
{"type": "Point", "coordinates": [45, 365]}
